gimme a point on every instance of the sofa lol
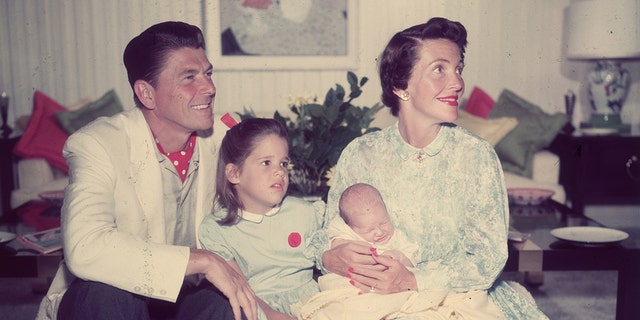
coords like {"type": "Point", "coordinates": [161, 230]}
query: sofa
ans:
{"type": "Point", "coordinates": [36, 175]}
{"type": "Point", "coordinates": [40, 165]}
{"type": "Point", "coordinates": [518, 130]}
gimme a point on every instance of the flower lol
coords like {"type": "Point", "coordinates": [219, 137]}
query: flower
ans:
{"type": "Point", "coordinates": [319, 132]}
{"type": "Point", "coordinates": [329, 175]}
{"type": "Point", "coordinates": [299, 101]}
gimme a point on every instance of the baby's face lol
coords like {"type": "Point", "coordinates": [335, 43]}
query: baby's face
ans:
{"type": "Point", "coordinates": [372, 223]}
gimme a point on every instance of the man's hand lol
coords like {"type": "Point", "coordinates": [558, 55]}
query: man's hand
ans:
{"type": "Point", "coordinates": [231, 283]}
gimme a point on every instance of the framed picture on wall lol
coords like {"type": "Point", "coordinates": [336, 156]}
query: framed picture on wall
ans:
{"type": "Point", "coordinates": [282, 34]}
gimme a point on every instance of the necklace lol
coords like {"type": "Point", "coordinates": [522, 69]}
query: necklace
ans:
{"type": "Point", "coordinates": [421, 156]}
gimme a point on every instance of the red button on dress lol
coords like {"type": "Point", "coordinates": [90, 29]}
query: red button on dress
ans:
{"type": "Point", "coordinates": [294, 239]}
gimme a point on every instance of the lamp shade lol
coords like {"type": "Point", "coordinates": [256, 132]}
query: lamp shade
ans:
{"type": "Point", "coordinates": [603, 29]}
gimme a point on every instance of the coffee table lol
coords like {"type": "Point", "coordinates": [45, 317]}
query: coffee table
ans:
{"type": "Point", "coordinates": [543, 252]}
{"type": "Point", "coordinates": [20, 261]}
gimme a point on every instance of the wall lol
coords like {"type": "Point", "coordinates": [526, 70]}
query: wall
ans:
{"type": "Point", "coordinates": [71, 49]}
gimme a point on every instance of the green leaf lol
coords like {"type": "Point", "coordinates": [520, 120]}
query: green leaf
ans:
{"type": "Point", "coordinates": [319, 133]}
{"type": "Point", "coordinates": [352, 79]}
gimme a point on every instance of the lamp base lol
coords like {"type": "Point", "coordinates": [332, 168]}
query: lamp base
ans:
{"type": "Point", "coordinates": [5, 131]}
{"type": "Point", "coordinates": [610, 121]}
{"type": "Point", "coordinates": [608, 87]}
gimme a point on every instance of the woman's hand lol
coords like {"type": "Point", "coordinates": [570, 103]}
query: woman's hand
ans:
{"type": "Point", "coordinates": [394, 277]}
{"type": "Point", "coordinates": [367, 271]}
{"type": "Point", "coordinates": [228, 280]}
{"type": "Point", "coordinates": [349, 255]}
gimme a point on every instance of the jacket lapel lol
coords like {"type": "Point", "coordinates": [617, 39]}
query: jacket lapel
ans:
{"type": "Point", "coordinates": [146, 175]}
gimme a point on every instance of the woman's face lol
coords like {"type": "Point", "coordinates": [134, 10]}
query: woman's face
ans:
{"type": "Point", "coordinates": [263, 178]}
{"type": "Point", "coordinates": [435, 86]}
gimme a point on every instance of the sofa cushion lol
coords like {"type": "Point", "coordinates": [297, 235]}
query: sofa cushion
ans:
{"type": "Point", "coordinates": [491, 130]}
{"type": "Point", "coordinates": [535, 131]}
{"type": "Point", "coordinates": [479, 103]}
{"type": "Point", "coordinates": [80, 104]}
{"type": "Point", "coordinates": [72, 120]}
{"type": "Point", "coordinates": [43, 137]}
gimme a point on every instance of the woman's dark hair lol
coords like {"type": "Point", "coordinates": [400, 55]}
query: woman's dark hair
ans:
{"type": "Point", "coordinates": [236, 146]}
{"type": "Point", "coordinates": [145, 55]}
{"type": "Point", "coordinates": [401, 54]}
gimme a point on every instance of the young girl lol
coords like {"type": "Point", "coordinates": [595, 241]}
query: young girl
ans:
{"type": "Point", "coordinates": [275, 241]}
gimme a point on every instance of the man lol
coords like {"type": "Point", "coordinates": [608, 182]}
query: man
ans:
{"type": "Point", "coordinates": [139, 185]}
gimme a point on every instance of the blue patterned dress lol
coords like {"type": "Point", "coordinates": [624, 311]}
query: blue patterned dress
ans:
{"type": "Point", "coordinates": [450, 197]}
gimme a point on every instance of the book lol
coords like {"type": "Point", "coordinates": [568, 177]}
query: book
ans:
{"type": "Point", "coordinates": [45, 241]}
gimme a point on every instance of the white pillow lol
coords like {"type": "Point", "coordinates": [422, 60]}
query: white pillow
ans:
{"type": "Point", "coordinates": [492, 130]}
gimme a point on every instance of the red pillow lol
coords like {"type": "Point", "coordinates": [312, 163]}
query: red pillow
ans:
{"type": "Point", "coordinates": [480, 103]}
{"type": "Point", "coordinates": [43, 137]}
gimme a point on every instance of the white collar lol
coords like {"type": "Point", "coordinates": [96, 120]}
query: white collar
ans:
{"type": "Point", "coordinates": [257, 218]}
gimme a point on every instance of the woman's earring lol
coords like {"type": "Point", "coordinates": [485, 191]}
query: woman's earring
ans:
{"type": "Point", "coordinates": [405, 96]}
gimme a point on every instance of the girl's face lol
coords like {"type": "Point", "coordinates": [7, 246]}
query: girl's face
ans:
{"type": "Point", "coordinates": [436, 84]}
{"type": "Point", "coordinates": [262, 180]}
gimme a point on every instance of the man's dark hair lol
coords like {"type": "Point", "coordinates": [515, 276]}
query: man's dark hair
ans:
{"type": "Point", "coordinates": [145, 55]}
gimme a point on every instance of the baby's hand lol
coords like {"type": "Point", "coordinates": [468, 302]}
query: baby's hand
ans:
{"type": "Point", "coordinates": [397, 255]}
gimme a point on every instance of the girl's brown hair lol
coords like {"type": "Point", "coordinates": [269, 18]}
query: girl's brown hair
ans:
{"type": "Point", "coordinates": [236, 146]}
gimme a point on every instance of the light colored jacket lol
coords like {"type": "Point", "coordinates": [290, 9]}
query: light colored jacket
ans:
{"type": "Point", "coordinates": [113, 212]}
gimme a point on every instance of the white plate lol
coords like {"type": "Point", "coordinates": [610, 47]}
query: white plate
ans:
{"type": "Point", "coordinates": [598, 131]}
{"type": "Point", "coordinates": [589, 235]}
{"type": "Point", "coordinates": [6, 237]}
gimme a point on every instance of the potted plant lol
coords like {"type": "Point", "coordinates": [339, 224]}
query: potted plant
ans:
{"type": "Point", "coordinates": [318, 132]}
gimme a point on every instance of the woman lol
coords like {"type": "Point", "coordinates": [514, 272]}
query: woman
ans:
{"type": "Point", "coordinates": [444, 186]}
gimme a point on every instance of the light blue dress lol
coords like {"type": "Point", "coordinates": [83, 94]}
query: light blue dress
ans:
{"type": "Point", "coordinates": [276, 252]}
{"type": "Point", "coordinates": [450, 197]}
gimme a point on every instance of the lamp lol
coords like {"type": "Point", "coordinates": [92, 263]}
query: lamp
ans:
{"type": "Point", "coordinates": [5, 130]}
{"type": "Point", "coordinates": [605, 31]}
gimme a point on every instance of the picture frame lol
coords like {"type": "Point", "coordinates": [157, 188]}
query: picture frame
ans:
{"type": "Point", "coordinates": [308, 61]}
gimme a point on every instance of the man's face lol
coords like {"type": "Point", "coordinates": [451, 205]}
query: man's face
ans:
{"type": "Point", "coordinates": [184, 93]}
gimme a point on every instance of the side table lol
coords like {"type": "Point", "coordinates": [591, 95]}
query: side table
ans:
{"type": "Point", "coordinates": [544, 252]}
{"type": "Point", "coordinates": [6, 173]}
{"type": "Point", "coordinates": [601, 169]}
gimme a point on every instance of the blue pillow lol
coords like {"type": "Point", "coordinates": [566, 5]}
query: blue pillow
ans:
{"type": "Point", "coordinates": [72, 120]}
{"type": "Point", "coordinates": [535, 131]}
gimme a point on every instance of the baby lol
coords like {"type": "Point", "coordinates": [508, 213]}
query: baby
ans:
{"type": "Point", "coordinates": [365, 218]}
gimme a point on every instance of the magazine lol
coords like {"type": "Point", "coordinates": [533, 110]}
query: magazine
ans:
{"type": "Point", "coordinates": [45, 241]}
